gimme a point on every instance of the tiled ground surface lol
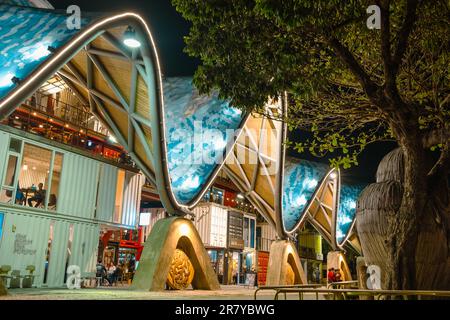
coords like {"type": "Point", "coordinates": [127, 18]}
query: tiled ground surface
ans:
{"type": "Point", "coordinates": [124, 293]}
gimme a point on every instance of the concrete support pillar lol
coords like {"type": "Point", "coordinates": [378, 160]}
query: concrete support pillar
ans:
{"type": "Point", "coordinates": [284, 266]}
{"type": "Point", "coordinates": [166, 236]}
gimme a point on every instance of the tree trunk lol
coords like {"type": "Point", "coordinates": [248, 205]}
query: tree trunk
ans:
{"type": "Point", "coordinates": [402, 224]}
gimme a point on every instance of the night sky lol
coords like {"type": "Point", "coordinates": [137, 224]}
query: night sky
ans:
{"type": "Point", "coordinates": [168, 28]}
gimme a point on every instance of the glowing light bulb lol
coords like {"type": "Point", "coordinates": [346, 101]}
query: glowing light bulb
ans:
{"type": "Point", "coordinates": [129, 38]}
{"type": "Point", "coordinates": [184, 229]}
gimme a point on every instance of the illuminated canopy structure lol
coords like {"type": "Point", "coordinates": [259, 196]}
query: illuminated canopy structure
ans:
{"type": "Point", "coordinates": [178, 138]}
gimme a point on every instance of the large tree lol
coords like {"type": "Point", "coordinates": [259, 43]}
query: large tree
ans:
{"type": "Point", "coordinates": [349, 85]}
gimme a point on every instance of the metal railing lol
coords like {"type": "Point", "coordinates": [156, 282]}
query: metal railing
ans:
{"type": "Point", "coordinates": [66, 124]}
{"type": "Point", "coordinates": [57, 109]}
{"type": "Point", "coordinates": [276, 288]}
{"type": "Point", "coordinates": [343, 284]}
{"type": "Point", "coordinates": [60, 110]}
{"type": "Point", "coordinates": [344, 294]}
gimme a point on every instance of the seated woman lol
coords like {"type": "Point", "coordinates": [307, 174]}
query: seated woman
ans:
{"type": "Point", "coordinates": [20, 197]}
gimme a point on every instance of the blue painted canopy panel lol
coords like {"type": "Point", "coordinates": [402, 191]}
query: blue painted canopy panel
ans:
{"type": "Point", "coordinates": [25, 3]}
{"type": "Point", "coordinates": [301, 180]}
{"type": "Point", "coordinates": [347, 209]}
{"type": "Point", "coordinates": [25, 35]}
{"type": "Point", "coordinates": [198, 130]}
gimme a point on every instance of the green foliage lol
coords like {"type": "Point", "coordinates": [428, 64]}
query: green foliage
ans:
{"type": "Point", "coordinates": [254, 49]}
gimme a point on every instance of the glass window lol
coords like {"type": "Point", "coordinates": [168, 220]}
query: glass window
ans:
{"type": "Point", "coordinates": [2, 218]}
{"type": "Point", "coordinates": [10, 171]}
{"type": "Point", "coordinates": [56, 177]}
{"type": "Point", "coordinates": [206, 196]}
{"type": "Point", "coordinates": [15, 145]}
{"type": "Point", "coordinates": [252, 233]}
{"type": "Point", "coordinates": [246, 233]}
{"type": "Point", "coordinates": [217, 195]}
{"type": "Point", "coordinates": [48, 251]}
{"type": "Point", "coordinates": [29, 184]}
{"type": "Point", "coordinates": [8, 182]}
{"type": "Point", "coordinates": [69, 251]}
{"type": "Point", "coordinates": [34, 175]}
{"type": "Point", "coordinates": [135, 235]}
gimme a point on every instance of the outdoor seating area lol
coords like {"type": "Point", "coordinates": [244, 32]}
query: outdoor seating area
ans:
{"type": "Point", "coordinates": [17, 278]}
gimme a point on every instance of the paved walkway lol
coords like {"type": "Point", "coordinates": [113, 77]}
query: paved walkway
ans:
{"type": "Point", "coordinates": [125, 293]}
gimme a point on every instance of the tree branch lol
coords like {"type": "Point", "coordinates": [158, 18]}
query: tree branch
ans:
{"type": "Point", "coordinates": [389, 75]}
{"type": "Point", "coordinates": [434, 137]}
{"type": "Point", "coordinates": [403, 35]}
{"type": "Point", "coordinates": [442, 166]}
{"type": "Point", "coordinates": [347, 57]}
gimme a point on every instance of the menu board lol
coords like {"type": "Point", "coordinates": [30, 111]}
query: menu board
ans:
{"type": "Point", "coordinates": [235, 230]}
{"type": "Point", "coordinates": [250, 279]}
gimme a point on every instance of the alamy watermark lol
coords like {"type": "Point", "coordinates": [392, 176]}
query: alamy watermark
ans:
{"type": "Point", "coordinates": [374, 20]}
{"type": "Point", "coordinates": [73, 277]}
{"type": "Point", "coordinates": [374, 277]}
{"type": "Point", "coordinates": [73, 21]}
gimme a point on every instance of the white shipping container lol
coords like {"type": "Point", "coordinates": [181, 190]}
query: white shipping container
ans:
{"type": "Point", "coordinates": [268, 235]}
{"type": "Point", "coordinates": [211, 223]}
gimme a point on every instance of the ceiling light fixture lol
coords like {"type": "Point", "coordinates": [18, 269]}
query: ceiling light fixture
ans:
{"type": "Point", "coordinates": [130, 39]}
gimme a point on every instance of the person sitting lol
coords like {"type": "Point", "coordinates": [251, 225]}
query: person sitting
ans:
{"type": "Point", "coordinates": [101, 272]}
{"type": "Point", "coordinates": [39, 196]}
{"type": "Point", "coordinates": [20, 197]}
{"type": "Point", "coordinates": [338, 276]}
{"type": "Point", "coordinates": [331, 276]}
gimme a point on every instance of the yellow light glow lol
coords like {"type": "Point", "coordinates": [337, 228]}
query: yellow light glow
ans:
{"type": "Point", "coordinates": [184, 229]}
{"type": "Point", "coordinates": [289, 249]}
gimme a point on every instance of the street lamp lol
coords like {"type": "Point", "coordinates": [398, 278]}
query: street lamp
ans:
{"type": "Point", "coordinates": [129, 38]}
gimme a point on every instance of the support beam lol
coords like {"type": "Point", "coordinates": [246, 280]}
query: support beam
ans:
{"type": "Point", "coordinates": [284, 265]}
{"type": "Point", "coordinates": [109, 80]}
